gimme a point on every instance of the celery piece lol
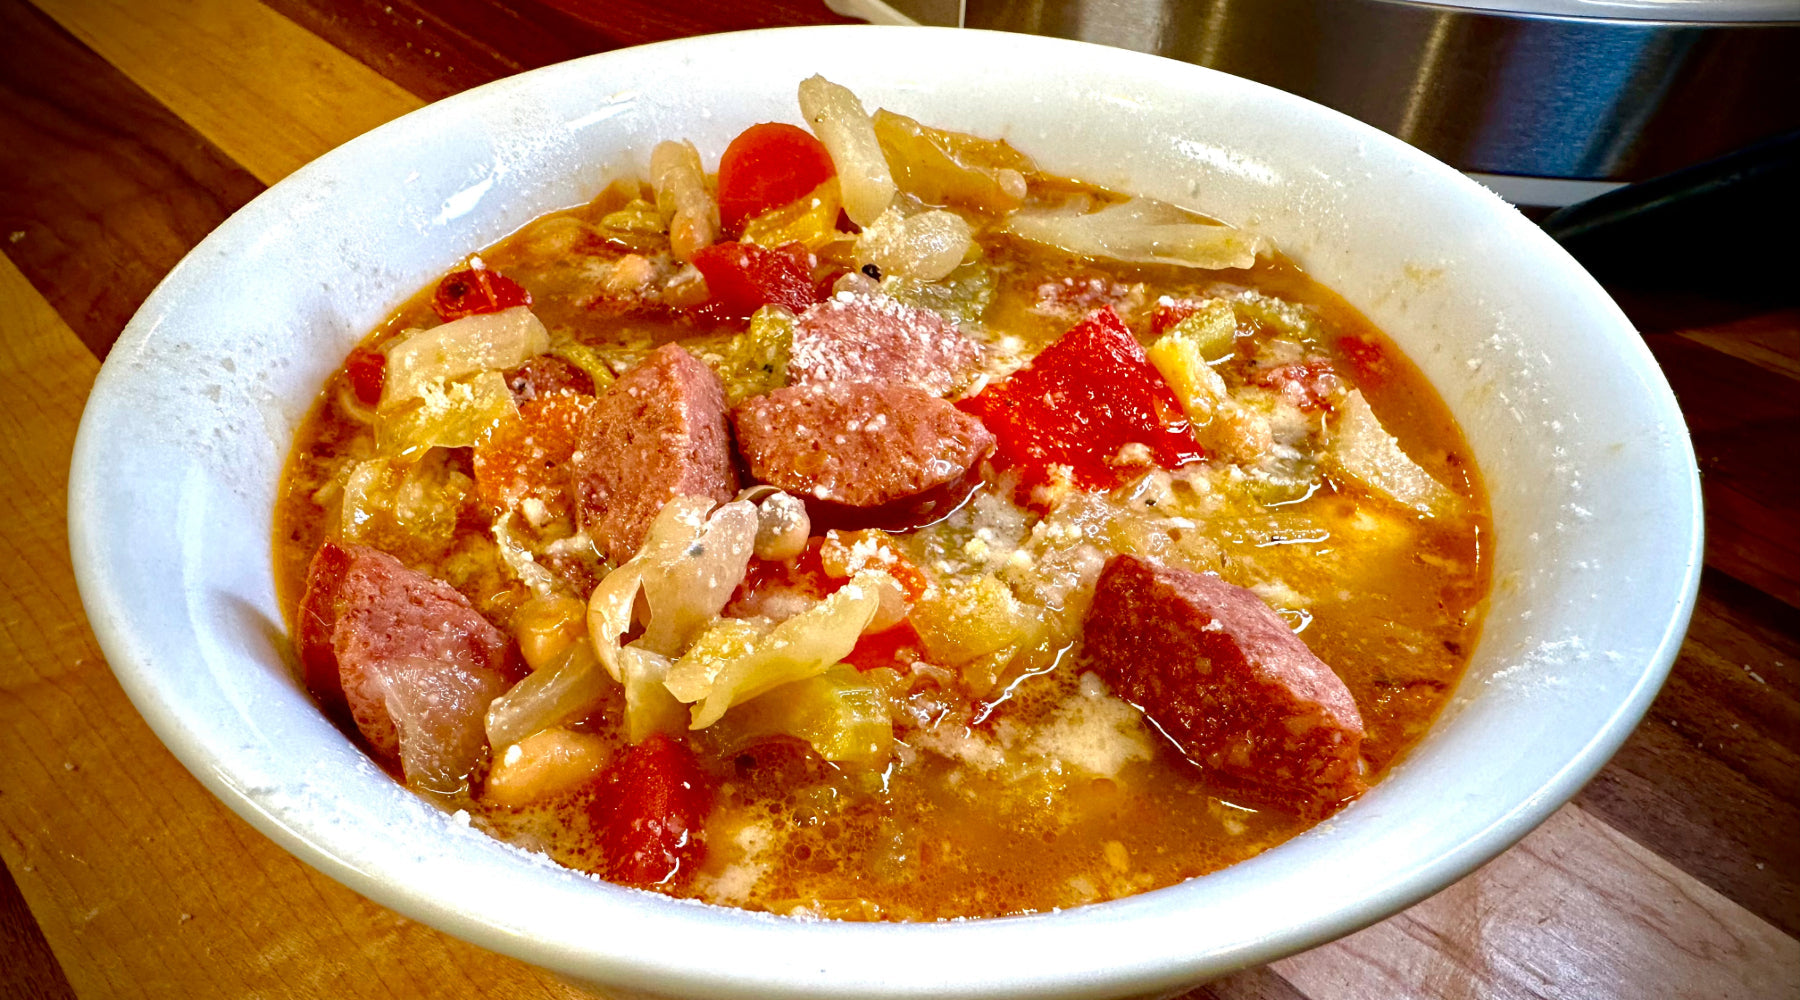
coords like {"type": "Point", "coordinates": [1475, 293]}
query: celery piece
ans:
{"type": "Point", "coordinates": [755, 362]}
{"type": "Point", "coordinates": [961, 297]}
{"type": "Point", "coordinates": [842, 713]}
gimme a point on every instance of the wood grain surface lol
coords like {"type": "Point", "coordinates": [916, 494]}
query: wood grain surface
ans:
{"type": "Point", "coordinates": [129, 130]}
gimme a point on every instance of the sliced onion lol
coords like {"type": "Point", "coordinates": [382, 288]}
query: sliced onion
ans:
{"type": "Point", "coordinates": [649, 707]}
{"type": "Point", "coordinates": [566, 689]}
{"type": "Point", "coordinates": [686, 592]}
{"type": "Point", "coordinates": [1365, 452]}
{"type": "Point", "coordinates": [840, 122]}
{"type": "Point", "coordinates": [486, 341]}
{"type": "Point", "coordinates": [1141, 231]}
{"type": "Point", "coordinates": [801, 647]}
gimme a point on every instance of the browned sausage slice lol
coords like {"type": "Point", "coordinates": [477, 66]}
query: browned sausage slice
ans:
{"type": "Point", "coordinates": [864, 338]}
{"type": "Point", "coordinates": [415, 664]}
{"type": "Point", "coordinates": [655, 434]}
{"type": "Point", "coordinates": [858, 444]}
{"type": "Point", "coordinates": [1219, 671]}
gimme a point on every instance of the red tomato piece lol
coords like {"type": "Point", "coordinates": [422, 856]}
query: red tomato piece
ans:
{"type": "Point", "coordinates": [744, 277]}
{"type": "Point", "coordinates": [768, 166]}
{"type": "Point", "coordinates": [366, 369]}
{"type": "Point", "coordinates": [1081, 403]}
{"type": "Point", "coordinates": [528, 458]}
{"type": "Point", "coordinates": [897, 647]}
{"type": "Point", "coordinates": [476, 290]}
{"type": "Point", "coordinates": [650, 812]}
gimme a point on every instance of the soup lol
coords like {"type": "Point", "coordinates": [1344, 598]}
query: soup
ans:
{"type": "Point", "coordinates": [879, 528]}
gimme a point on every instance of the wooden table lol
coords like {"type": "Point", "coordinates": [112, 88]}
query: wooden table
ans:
{"type": "Point", "coordinates": [128, 130]}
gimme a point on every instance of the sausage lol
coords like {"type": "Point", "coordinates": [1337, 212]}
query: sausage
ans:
{"type": "Point", "coordinates": [1220, 672]}
{"type": "Point", "coordinates": [407, 657]}
{"type": "Point", "coordinates": [870, 447]}
{"type": "Point", "coordinates": [863, 338]}
{"type": "Point", "coordinates": [655, 434]}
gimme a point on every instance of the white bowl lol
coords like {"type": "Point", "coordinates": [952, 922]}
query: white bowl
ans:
{"type": "Point", "coordinates": [1596, 504]}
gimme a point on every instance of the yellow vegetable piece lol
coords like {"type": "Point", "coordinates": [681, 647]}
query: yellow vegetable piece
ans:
{"type": "Point", "coordinates": [810, 221]}
{"type": "Point", "coordinates": [962, 623]}
{"type": "Point", "coordinates": [843, 713]}
{"type": "Point", "coordinates": [547, 625]}
{"type": "Point", "coordinates": [952, 168]}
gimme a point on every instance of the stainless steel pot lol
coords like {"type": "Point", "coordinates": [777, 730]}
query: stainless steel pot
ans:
{"type": "Point", "coordinates": [1553, 101]}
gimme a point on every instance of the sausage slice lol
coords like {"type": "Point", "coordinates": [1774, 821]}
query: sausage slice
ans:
{"type": "Point", "coordinates": [407, 656]}
{"type": "Point", "coordinates": [862, 445]}
{"type": "Point", "coordinates": [655, 434]}
{"type": "Point", "coordinates": [864, 338]}
{"type": "Point", "coordinates": [1220, 672]}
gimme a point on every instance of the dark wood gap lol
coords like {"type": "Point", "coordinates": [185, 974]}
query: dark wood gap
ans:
{"type": "Point", "coordinates": [102, 189]}
{"type": "Point", "coordinates": [29, 970]}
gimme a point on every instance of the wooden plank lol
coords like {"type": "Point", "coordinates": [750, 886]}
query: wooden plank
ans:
{"type": "Point", "coordinates": [437, 49]}
{"type": "Point", "coordinates": [1529, 925]}
{"type": "Point", "coordinates": [269, 93]}
{"type": "Point", "coordinates": [1710, 779]}
{"type": "Point", "coordinates": [102, 189]}
{"type": "Point", "coordinates": [143, 884]}
{"type": "Point", "coordinates": [1744, 419]}
{"type": "Point", "coordinates": [1771, 341]}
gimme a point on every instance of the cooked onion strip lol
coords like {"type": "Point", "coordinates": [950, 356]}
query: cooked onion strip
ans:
{"type": "Point", "coordinates": [479, 343]}
{"type": "Point", "coordinates": [566, 689]}
{"type": "Point", "coordinates": [801, 647]}
{"type": "Point", "coordinates": [840, 122]}
{"type": "Point", "coordinates": [1141, 231]}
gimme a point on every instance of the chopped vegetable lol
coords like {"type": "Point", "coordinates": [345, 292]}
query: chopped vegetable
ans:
{"type": "Point", "coordinates": [475, 291]}
{"type": "Point", "coordinates": [1364, 452]}
{"type": "Point", "coordinates": [952, 168]}
{"type": "Point", "coordinates": [840, 122]}
{"type": "Point", "coordinates": [1140, 231]}
{"type": "Point", "coordinates": [842, 712]}
{"type": "Point", "coordinates": [927, 246]}
{"type": "Point", "coordinates": [766, 167]}
{"type": "Point", "coordinates": [1208, 325]}
{"type": "Point", "coordinates": [962, 296]}
{"type": "Point", "coordinates": [810, 221]}
{"type": "Point", "coordinates": [568, 688]}
{"type": "Point", "coordinates": [547, 625]}
{"type": "Point", "coordinates": [681, 197]}
{"type": "Point", "coordinates": [410, 509]}
{"type": "Point", "coordinates": [478, 343]}
{"type": "Point", "coordinates": [744, 277]}
{"type": "Point", "coordinates": [447, 414]}
{"type": "Point", "coordinates": [523, 464]}
{"type": "Point", "coordinates": [756, 360]}
{"type": "Point", "coordinates": [1090, 403]}
{"type": "Point", "coordinates": [803, 646]}
{"type": "Point", "coordinates": [958, 624]}
{"type": "Point", "coordinates": [649, 814]}
{"type": "Point", "coordinates": [1219, 423]}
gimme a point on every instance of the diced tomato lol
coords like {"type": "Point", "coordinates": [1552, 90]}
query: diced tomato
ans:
{"type": "Point", "coordinates": [649, 813]}
{"type": "Point", "coordinates": [366, 369]}
{"type": "Point", "coordinates": [1309, 385]}
{"type": "Point", "coordinates": [744, 277]}
{"type": "Point", "coordinates": [476, 290]}
{"type": "Point", "coordinates": [768, 166]}
{"type": "Point", "coordinates": [1367, 360]}
{"type": "Point", "coordinates": [1081, 403]}
{"type": "Point", "coordinates": [528, 458]}
{"type": "Point", "coordinates": [896, 647]}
